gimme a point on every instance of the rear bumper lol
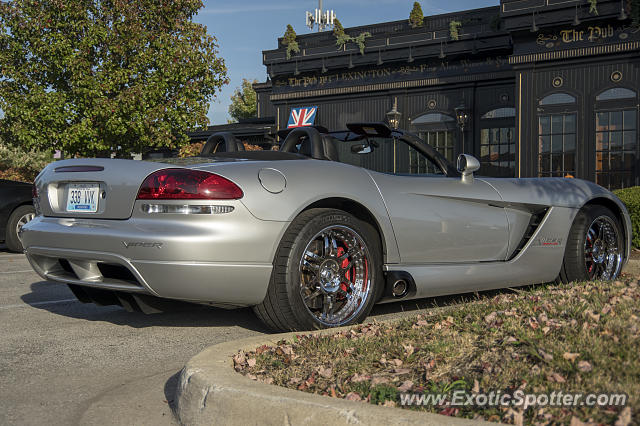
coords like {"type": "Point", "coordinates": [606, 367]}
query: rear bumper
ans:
{"type": "Point", "coordinates": [222, 259]}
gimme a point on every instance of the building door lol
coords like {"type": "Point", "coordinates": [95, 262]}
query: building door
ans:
{"type": "Point", "coordinates": [497, 143]}
{"type": "Point", "coordinates": [438, 130]}
{"type": "Point", "coordinates": [617, 144]}
{"type": "Point", "coordinates": [557, 136]}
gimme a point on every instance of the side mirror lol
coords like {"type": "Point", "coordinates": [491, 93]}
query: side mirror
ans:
{"type": "Point", "coordinates": [467, 164]}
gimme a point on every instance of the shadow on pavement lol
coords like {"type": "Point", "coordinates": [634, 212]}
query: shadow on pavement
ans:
{"type": "Point", "coordinates": [439, 302]}
{"type": "Point", "coordinates": [182, 314]}
{"type": "Point", "coordinates": [5, 250]}
{"type": "Point", "coordinates": [170, 389]}
{"type": "Point", "coordinates": [178, 314]}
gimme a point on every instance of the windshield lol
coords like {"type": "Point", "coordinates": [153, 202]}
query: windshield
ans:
{"type": "Point", "coordinates": [387, 155]}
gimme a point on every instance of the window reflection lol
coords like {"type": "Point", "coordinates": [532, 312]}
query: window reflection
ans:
{"type": "Point", "coordinates": [616, 148]}
{"type": "Point", "coordinates": [497, 143]}
{"type": "Point", "coordinates": [557, 145]}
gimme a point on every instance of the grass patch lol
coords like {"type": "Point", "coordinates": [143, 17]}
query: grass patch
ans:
{"type": "Point", "coordinates": [577, 338]}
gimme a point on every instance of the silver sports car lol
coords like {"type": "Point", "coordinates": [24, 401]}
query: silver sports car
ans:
{"type": "Point", "coordinates": [315, 234]}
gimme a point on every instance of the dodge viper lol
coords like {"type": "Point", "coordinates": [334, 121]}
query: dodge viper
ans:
{"type": "Point", "coordinates": [315, 234]}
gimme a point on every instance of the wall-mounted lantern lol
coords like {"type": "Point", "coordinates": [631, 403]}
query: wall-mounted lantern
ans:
{"type": "Point", "coordinates": [393, 116]}
{"type": "Point", "coordinates": [462, 118]}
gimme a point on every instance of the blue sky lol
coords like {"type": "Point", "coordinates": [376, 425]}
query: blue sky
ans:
{"type": "Point", "coordinates": [245, 28]}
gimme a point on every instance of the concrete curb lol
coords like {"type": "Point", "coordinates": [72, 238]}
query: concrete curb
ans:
{"type": "Point", "coordinates": [210, 391]}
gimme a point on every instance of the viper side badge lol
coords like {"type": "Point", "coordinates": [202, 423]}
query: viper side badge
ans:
{"type": "Point", "coordinates": [130, 244]}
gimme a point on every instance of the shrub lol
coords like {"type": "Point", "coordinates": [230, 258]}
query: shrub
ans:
{"type": "Point", "coordinates": [416, 18]}
{"type": "Point", "coordinates": [631, 198]}
{"type": "Point", "coordinates": [18, 164]}
{"type": "Point", "coordinates": [454, 29]}
{"type": "Point", "coordinates": [191, 150]}
{"type": "Point", "coordinates": [289, 40]}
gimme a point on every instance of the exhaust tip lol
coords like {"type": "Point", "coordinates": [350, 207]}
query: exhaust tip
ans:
{"type": "Point", "coordinates": [399, 288]}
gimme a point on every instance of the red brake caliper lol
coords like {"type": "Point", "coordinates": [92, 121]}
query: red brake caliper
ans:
{"type": "Point", "coordinates": [344, 286]}
{"type": "Point", "coordinates": [590, 245]}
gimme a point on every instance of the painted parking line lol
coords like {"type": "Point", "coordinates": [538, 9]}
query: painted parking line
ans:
{"type": "Point", "coordinates": [48, 302]}
{"type": "Point", "coordinates": [17, 272]}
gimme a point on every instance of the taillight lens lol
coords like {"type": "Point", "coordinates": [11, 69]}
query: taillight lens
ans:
{"type": "Point", "coordinates": [186, 184]}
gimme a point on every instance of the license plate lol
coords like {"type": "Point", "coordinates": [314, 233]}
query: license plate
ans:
{"type": "Point", "coordinates": [82, 197]}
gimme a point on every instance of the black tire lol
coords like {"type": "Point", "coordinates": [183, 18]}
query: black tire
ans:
{"type": "Point", "coordinates": [579, 262]}
{"type": "Point", "coordinates": [11, 238]}
{"type": "Point", "coordinates": [284, 307]}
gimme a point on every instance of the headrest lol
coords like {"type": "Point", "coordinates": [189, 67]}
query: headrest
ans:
{"type": "Point", "coordinates": [329, 148]}
{"type": "Point", "coordinates": [222, 142]}
{"type": "Point", "coordinates": [312, 144]}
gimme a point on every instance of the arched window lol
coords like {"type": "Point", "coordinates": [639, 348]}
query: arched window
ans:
{"type": "Point", "coordinates": [617, 143]}
{"type": "Point", "coordinates": [497, 142]}
{"type": "Point", "coordinates": [500, 113]}
{"type": "Point", "coordinates": [438, 130]}
{"type": "Point", "coordinates": [615, 94]}
{"type": "Point", "coordinates": [433, 118]}
{"type": "Point", "coordinates": [558, 99]}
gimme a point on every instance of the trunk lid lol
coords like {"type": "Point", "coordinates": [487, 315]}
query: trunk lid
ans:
{"type": "Point", "coordinates": [116, 183]}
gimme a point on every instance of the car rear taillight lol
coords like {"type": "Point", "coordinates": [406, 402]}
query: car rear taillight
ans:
{"type": "Point", "coordinates": [187, 184]}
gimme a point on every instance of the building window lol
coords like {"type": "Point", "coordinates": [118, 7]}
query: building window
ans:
{"type": "Point", "coordinates": [433, 118]}
{"type": "Point", "coordinates": [419, 164]}
{"type": "Point", "coordinates": [558, 99]}
{"type": "Point", "coordinates": [442, 141]}
{"type": "Point", "coordinates": [500, 113]}
{"type": "Point", "coordinates": [616, 94]}
{"type": "Point", "coordinates": [557, 135]}
{"type": "Point", "coordinates": [616, 138]}
{"type": "Point", "coordinates": [497, 143]}
{"type": "Point", "coordinates": [557, 145]}
{"type": "Point", "coordinates": [437, 130]}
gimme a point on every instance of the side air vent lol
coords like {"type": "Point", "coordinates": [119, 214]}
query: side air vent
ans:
{"type": "Point", "coordinates": [535, 221]}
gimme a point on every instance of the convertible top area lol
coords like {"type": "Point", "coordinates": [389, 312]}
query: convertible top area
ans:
{"type": "Point", "coordinates": [318, 143]}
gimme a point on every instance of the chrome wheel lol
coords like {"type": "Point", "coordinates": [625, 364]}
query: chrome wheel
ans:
{"type": "Point", "coordinates": [335, 280]}
{"type": "Point", "coordinates": [24, 219]}
{"type": "Point", "coordinates": [603, 250]}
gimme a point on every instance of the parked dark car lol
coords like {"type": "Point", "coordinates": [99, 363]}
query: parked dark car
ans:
{"type": "Point", "coordinates": [16, 209]}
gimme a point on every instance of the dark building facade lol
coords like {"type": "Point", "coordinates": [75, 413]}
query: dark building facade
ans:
{"type": "Point", "coordinates": [547, 87]}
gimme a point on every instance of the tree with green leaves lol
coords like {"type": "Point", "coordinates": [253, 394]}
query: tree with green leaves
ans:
{"type": "Point", "coordinates": [244, 102]}
{"type": "Point", "coordinates": [289, 41]}
{"type": "Point", "coordinates": [416, 18]}
{"type": "Point", "coordinates": [89, 76]}
{"type": "Point", "coordinates": [338, 29]}
{"type": "Point", "coordinates": [341, 36]}
{"type": "Point", "coordinates": [454, 29]}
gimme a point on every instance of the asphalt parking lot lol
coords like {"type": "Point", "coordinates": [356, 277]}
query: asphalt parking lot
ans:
{"type": "Point", "coordinates": [64, 362]}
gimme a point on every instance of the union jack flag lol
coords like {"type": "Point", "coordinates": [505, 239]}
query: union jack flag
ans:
{"type": "Point", "coordinates": [302, 117]}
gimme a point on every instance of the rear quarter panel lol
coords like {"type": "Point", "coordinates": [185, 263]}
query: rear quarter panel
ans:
{"type": "Point", "coordinates": [308, 181]}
